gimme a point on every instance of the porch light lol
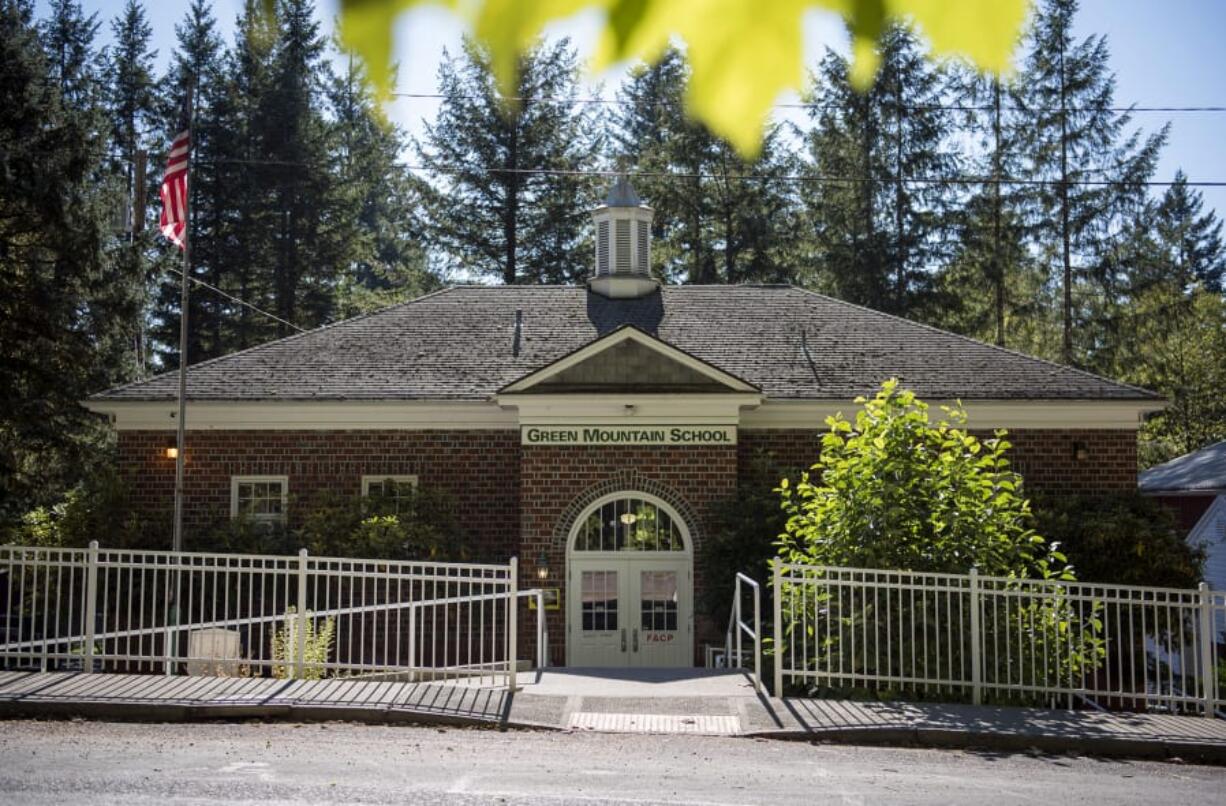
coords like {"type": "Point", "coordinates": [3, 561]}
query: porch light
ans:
{"type": "Point", "coordinates": [172, 450]}
{"type": "Point", "coordinates": [1080, 451]}
{"type": "Point", "coordinates": [542, 566]}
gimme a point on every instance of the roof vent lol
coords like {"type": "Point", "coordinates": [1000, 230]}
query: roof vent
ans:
{"type": "Point", "coordinates": [623, 244]}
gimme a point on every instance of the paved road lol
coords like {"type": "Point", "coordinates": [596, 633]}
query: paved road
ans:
{"type": "Point", "coordinates": [96, 762]}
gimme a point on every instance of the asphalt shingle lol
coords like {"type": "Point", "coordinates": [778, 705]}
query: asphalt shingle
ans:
{"type": "Point", "coordinates": [458, 344]}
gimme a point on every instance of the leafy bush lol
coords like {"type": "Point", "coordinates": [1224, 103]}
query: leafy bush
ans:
{"type": "Point", "coordinates": [896, 491]}
{"type": "Point", "coordinates": [417, 524]}
{"type": "Point", "coordinates": [317, 645]}
{"type": "Point", "coordinates": [1120, 539]}
{"type": "Point", "coordinates": [96, 509]}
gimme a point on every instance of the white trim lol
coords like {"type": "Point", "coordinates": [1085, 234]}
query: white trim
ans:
{"type": "Point", "coordinates": [982, 414]}
{"type": "Point", "coordinates": [271, 415]}
{"type": "Point", "coordinates": [658, 503]}
{"type": "Point", "coordinates": [508, 411]}
{"type": "Point", "coordinates": [381, 477]}
{"type": "Point", "coordinates": [235, 481]}
{"type": "Point", "coordinates": [619, 336]}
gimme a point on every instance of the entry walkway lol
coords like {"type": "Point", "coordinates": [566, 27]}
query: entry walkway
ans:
{"type": "Point", "coordinates": [647, 701]}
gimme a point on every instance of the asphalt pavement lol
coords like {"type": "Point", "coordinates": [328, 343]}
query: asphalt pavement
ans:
{"type": "Point", "coordinates": [59, 762]}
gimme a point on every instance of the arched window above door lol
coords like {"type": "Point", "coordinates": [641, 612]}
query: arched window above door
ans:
{"type": "Point", "coordinates": [628, 522]}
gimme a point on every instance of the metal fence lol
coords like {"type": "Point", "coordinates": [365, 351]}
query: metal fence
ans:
{"type": "Point", "coordinates": [981, 638]}
{"type": "Point", "coordinates": [293, 616]}
{"type": "Point", "coordinates": [739, 629]}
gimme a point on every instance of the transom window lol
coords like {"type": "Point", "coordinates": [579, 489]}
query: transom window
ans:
{"type": "Point", "coordinates": [389, 489]}
{"type": "Point", "coordinates": [261, 498]}
{"type": "Point", "coordinates": [628, 524]}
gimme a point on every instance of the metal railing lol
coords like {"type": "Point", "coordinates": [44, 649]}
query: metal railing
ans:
{"type": "Point", "coordinates": [968, 636]}
{"type": "Point", "coordinates": [737, 628]}
{"type": "Point", "coordinates": [258, 615]}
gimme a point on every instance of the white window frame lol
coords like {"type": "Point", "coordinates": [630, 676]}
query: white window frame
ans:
{"type": "Point", "coordinates": [367, 480]}
{"type": "Point", "coordinates": [235, 481]}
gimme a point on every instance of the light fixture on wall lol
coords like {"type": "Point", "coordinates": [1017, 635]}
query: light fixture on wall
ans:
{"type": "Point", "coordinates": [1080, 451]}
{"type": "Point", "coordinates": [172, 450]}
{"type": "Point", "coordinates": [542, 566]}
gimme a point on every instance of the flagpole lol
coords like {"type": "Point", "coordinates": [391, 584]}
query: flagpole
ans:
{"type": "Point", "coordinates": [183, 304]}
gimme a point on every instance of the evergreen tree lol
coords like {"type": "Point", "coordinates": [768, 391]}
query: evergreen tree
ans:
{"type": "Point", "coordinates": [879, 236]}
{"type": "Point", "coordinates": [1075, 140]}
{"type": "Point", "coordinates": [712, 223]}
{"type": "Point", "coordinates": [65, 317]}
{"type": "Point", "coordinates": [377, 229]}
{"type": "Point", "coordinates": [505, 201]}
{"type": "Point", "coordinates": [1191, 239]}
{"type": "Point", "coordinates": [991, 289]}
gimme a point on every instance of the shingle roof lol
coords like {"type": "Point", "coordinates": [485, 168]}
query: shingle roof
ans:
{"type": "Point", "coordinates": [460, 344]}
{"type": "Point", "coordinates": [1199, 470]}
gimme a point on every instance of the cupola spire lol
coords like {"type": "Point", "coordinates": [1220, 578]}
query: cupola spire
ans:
{"type": "Point", "coordinates": [623, 244]}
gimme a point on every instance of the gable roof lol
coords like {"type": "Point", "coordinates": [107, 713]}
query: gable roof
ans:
{"type": "Point", "coordinates": [629, 358]}
{"type": "Point", "coordinates": [1199, 470]}
{"type": "Point", "coordinates": [463, 343]}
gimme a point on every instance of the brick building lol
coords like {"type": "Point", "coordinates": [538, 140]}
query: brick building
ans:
{"type": "Point", "coordinates": [589, 430]}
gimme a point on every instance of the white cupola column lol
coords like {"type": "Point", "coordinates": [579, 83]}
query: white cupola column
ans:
{"type": "Point", "coordinates": [623, 245]}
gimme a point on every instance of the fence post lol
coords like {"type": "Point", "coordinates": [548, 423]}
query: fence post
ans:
{"type": "Point", "coordinates": [757, 639]}
{"type": "Point", "coordinates": [1208, 669]}
{"type": "Point", "coordinates": [777, 585]}
{"type": "Point", "coordinates": [513, 625]}
{"type": "Point", "coordinates": [91, 606]}
{"type": "Point", "coordinates": [301, 616]}
{"type": "Point", "coordinates": [976, 641]}
{"type": "Point", "coordinates": [541, 657]}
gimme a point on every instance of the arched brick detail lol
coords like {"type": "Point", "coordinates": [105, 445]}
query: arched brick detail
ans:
{"type": "Point", "coordinates": [631, 481]}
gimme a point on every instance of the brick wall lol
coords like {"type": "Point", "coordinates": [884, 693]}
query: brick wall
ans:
{"type": "Point", "coordinates": [1045, 458]}
{"type": "Point", "coordinates": [558, 482]}
{"type": "Point", "coordinates": [479, 468]}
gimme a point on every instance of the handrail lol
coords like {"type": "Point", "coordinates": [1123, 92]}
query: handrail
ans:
{"type": "Point", "coordinates": [542, 636]}
{"type": "Point", "coordinates": [737, 627]}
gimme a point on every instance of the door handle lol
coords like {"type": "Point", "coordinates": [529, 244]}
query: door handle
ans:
{"type": "Point", "coordinates": [623, 639]}
{"type": "Point", "coordinates": [636, 639]}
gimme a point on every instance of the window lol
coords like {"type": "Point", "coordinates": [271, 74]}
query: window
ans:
{"type": "Point", "coordinates": [628, 524]}
{"type": "Point", "coordinates": [389, 489]}
{"type": "Point", "coordinates": [260, 498]}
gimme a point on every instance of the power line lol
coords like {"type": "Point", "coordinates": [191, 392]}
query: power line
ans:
{"type": "Point", "coordinates": [580, 101]}
{"type": "Point", "coordinates": [233, 298]}
{"type": "Point", "coordinates": [845, 180]}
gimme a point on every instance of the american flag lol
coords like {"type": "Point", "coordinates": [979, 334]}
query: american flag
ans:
{"type": "Point", "coordinates": [173, 221]}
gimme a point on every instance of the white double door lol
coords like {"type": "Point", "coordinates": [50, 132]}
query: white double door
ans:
{"type": "Point", "coordinates": [634, 610]}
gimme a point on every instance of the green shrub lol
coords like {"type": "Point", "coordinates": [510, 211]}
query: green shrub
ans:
{"type": "Point", "coordinates": [1120, 539]}
{"type": "Point", "coordinates": [417, 524]}
{"type": "Point", "coordinates": [96, 509]}
{"type": "Point", "coordinates": [317, 645]}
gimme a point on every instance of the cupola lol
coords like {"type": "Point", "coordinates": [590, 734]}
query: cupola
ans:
{"type": "Point", "coordinates": [623, 244]}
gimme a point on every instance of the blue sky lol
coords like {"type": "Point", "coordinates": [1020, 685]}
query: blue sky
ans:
{"type": "Point", "coordinates": [1164, 53]}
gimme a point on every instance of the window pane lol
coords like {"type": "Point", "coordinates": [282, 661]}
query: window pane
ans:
{"type": "Point", "coordinates": [658, 600]}
{"type": "Point", "coordinates": [598, 590]}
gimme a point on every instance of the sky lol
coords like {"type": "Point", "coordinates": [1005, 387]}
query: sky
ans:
{"type": "Point", "coordinates": [1164, 53]}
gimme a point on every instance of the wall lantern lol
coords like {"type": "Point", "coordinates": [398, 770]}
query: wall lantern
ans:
{"type": "Point", "coordinates": [172, 450]}
{"type": "Point", "coordinates": [1080, 451]}
{"type": "Point", "coordinates": [542, 566]}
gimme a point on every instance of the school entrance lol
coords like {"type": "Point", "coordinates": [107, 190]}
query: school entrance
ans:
{"type": "Point", "coordinates": [630, 585]}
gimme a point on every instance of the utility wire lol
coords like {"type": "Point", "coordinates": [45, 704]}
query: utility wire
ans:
{"type": "Point", "coordinates": [233, 298]}
{"type": "Point", "coordinates": [611, 173]}
{"type": "Point", "coordinates": [579, 101]}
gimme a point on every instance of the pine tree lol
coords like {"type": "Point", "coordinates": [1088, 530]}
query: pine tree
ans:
{"type": "Point", "coordinates": [992, 289]}
{"type": "Point", "coordinates": [1075, 139]}
{"type": "Point", "coordinates": [1191, 238]}
{"type": "Point", "coordinates": [65, 317]}
{"type": "Point", "coordinates": [505, 201]}
{"type": "Point", "coordinates": [880, 215]}
{"type": "Point", "coordinates": [712, 224]}
{"type": "Point", "coordinates": [376, 198]}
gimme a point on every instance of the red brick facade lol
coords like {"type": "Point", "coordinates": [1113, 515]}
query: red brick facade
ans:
{"type": "Point", "coordinates": [522, 501]}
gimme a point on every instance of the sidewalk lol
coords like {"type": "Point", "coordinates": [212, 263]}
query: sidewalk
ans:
{"type": "Point", "coordinates": [639, 701]}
